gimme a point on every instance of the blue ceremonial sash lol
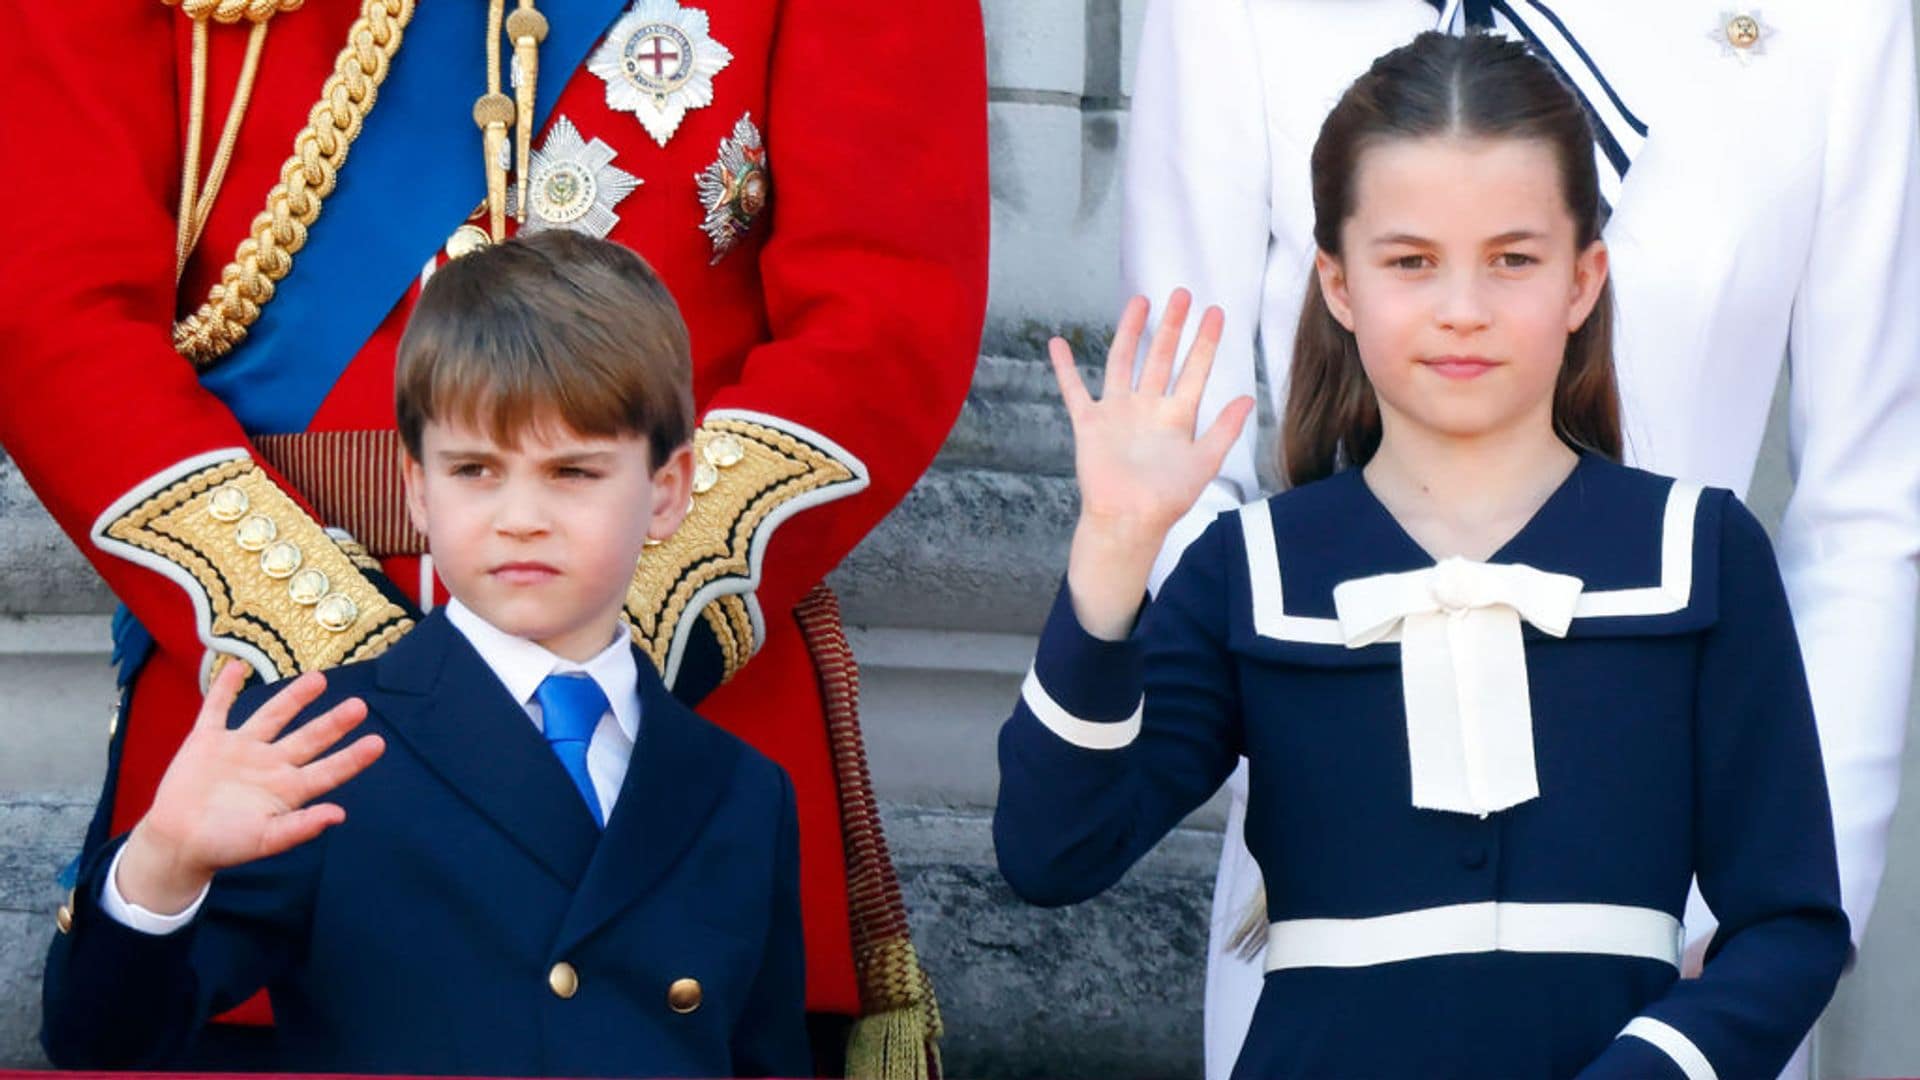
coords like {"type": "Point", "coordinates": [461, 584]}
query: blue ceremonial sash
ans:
{"type": "Point", "coordinates": [414, 174]}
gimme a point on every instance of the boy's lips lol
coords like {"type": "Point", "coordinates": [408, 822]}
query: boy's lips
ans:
{"type": "Point", "coordinates": [523, 573]}
{"type": "Point", "coordinates": [1459, 367]}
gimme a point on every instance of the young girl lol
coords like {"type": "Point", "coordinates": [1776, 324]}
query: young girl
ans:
{"type": "Point", "coordinates": [1501, 696]}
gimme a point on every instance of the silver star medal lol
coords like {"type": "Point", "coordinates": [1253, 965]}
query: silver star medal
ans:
{"type": "Point", "coordinates": [1742, 34]}
{"type": "Point", "coordinates": [735, 187]}
{"type": "Point", "coordinates": [659, 61]}
{"type": "Point", "coordinates": [572, 184]}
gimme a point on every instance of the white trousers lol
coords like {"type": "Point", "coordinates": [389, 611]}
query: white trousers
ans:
{"type": "Point", "coordinates": [1233, 981]}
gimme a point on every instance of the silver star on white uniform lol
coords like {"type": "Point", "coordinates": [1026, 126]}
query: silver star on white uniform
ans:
{"type": "Point", "coordinates": [658, 61]}
{"type": "Point", "coordinates": [572, 184]}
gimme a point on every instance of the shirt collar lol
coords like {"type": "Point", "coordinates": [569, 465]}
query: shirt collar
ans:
{"type": "Point", "coordinates": [522, 665]}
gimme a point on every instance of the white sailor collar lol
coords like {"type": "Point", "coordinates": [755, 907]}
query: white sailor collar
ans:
{"type": "Point", "coordinates": [1644, 547]}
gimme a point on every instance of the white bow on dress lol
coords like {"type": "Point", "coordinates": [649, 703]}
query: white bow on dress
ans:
{"type": "Point", "coordinates": [1463, 671]}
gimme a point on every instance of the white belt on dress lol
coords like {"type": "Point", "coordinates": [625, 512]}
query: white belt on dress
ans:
{"type": "Point", "coordinates": [1487, 926]}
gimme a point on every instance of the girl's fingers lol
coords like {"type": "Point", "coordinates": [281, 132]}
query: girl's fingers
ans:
{"type": "Point", "coordinates": [1222, 432]}
{"type": "Point", "coordinates": [1073, 391]}
{"type": "Point", "coordinates": [320, 777]}
{"type": "Point", "coordinates": [220, 696]}
{"type": "Point", "coordinates": [317, 735]}
{"type": "Point", "coordinates": [1126, 345]}
{"type": "Point", "coordinates": [1158, 370]}
{"type": "Point", "coordinates": [270, 719]}
{"type": "Point", "coordinates": [1206, 341]}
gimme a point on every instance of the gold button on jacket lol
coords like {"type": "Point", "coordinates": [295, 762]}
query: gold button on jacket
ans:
{"type": "Point", "coordinates": [684, 995]}
{"type": "Point", "coordinates": [563, 980]}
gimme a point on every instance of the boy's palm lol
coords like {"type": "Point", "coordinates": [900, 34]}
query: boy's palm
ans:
{"type": "Point", "coordinates": [231, 796]}
{"type": "Point", "coordinates": [1136, 456]}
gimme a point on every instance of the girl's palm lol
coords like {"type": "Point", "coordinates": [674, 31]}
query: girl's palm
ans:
{"type": "Point", "coordinates": [1135, 452]}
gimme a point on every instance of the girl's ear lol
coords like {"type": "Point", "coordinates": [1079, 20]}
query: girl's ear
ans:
{"type": "Point", "coordinates": [1333, 287]}
{"type": "Point", "coordinates": [1589, 277]}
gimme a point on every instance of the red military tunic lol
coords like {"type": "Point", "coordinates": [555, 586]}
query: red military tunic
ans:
{"type": "Point", "coordinates": [847, 311]}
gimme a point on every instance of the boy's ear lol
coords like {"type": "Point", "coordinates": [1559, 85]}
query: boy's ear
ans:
{"type": "Point", "coordinates": [1333, 287]}
{"type": "Point", "coordinates": [413, 477]}
{"type": "Point", "coordinates": [672, 493]}
{"type": "Point", "coordinates": [1590, 269]}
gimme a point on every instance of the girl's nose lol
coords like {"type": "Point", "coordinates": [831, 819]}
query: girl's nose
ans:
{"type": "Point", "coordinates": [1462, 304]}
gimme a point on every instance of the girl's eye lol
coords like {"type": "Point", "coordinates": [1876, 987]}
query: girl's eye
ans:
{"type": "Point", "coordinates": [1514, 260]}
{"type": "Point", "coordinates": [1410, 262]}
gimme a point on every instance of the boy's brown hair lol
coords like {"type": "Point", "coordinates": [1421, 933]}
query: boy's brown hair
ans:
{"type": "Point", "coordinates": [547, 327]}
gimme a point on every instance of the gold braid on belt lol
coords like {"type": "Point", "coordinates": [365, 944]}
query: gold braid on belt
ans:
{"type": "Point", "coordinates": [266, 255]}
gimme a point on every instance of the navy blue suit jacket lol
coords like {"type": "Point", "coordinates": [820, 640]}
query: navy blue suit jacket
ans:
{"type": "Point", "coordinates": [419, 935]}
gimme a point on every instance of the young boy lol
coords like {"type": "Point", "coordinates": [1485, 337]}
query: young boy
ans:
{"type": "Point", "coordinates": [458, 906]}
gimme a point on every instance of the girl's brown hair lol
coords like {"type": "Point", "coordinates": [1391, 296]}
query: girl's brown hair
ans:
{"type": "Point", "coordinates": [1472, 86]}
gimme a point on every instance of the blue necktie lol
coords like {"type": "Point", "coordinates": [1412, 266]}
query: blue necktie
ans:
{"type": "Point", "coordinates": [570, 708]}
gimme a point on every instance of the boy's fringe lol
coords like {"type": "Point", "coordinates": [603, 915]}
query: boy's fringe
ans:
{"type": "Point", "coordinates": [897, 1036]}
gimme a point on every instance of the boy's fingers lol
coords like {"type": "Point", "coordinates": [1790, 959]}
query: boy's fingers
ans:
{"type": "Point", "coordinates": [1158, 369]}
{"type": "Point", "coordinates": [290, 830]}
{"type": "Point", "coordinates": [322, 776]}
{"type": "Point", "coordinates": [317, 735]}
{"type": "Point", "coordinates": [1206, 341]}
{"type": "Point", "coordinates": [1073, 391]}
{"type": "Point", "coordinates": [1126, 345]}
{"type": "Point", "coordinates": [270, 719]}
{"type": "Point", "coordinates": [220, 696]}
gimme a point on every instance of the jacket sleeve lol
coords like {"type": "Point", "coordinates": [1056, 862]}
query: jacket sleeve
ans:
{"type": "Point", "coordinates": [874, 277]}
{"type": "Point", "coordinates": [148, 473]}
{"type": "Point", "coordinates": [1196, 212]}
{"type": "Point", "coordinates": [1763, 846]}
{"type": "Point", "coordinates": [1850, 539]}
{"type": "Point", "coordinates": [1112, 743]}
{"type": "Point", "coordinates": [770, 1038]}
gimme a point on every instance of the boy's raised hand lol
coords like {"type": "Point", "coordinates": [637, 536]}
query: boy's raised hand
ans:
{"type": "Point", "coordinates": [234, 796]}
{"type": "Point", "coordinates": [1139, 464]}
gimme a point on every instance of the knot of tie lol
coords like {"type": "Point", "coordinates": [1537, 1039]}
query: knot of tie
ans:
{"type": "Point", "coordinates": [570, 708]}
{"type": "Point", "coordinates": [1463, 671]}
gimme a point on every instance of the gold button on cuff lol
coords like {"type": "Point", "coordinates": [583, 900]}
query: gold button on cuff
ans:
{"type": "Point", "coordinates": [1743, 31]}
{"type": "Point", "coordinates": [308, 586]}
{"type": "Point", "coordinates": [336, 612]}
{"type": "Point", "coordinates": [63, 919]}
{"type": "Point", "coordinates": [684, 995]}
{"type": "Point", "coordinates": [256, 533]}
{"type": "Point", "coordinates": [228, 503]}
{"type": "Point", "coordinates": [724, 451]}
{"type": "Point", "coordinates": [563, 980]}
{"type": "Point", "coordinates": [281, 560]}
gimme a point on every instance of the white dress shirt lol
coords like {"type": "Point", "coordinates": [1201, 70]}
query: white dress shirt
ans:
{"type": "Point", "coordinates": [521, 667]}
{"type": "Point", "coordinates": [1772, 212]}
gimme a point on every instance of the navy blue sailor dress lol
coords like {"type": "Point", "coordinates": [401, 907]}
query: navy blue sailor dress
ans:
{"type": "Point", "coordinates": [1443, 903]}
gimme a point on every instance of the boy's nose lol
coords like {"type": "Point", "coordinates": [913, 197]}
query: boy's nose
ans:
{"type": "Point", "coordinates": [520, 518]}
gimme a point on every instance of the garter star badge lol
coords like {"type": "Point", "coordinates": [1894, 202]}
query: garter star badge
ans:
{"type": "Point", "coordinates": [572, 184]}
{"type": "Point", "coordinates": [659, 61]}
{"type": "Point", "coordinates": [734, 189]}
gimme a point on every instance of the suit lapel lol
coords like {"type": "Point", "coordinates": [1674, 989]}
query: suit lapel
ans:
{"type": "Point", "coordinates": [679, 771]}
{"type": "Point", "coordinates": [443, 701]}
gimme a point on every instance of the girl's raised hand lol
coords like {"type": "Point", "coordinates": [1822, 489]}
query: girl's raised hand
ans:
{"type": "Point", "coordinates": [1136, 456]}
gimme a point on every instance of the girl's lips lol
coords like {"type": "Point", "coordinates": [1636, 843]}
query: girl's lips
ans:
{"type": "Point", "coordinates": [1459, 367]}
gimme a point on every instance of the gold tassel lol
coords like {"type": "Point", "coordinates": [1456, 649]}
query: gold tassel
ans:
{"type": "Point", "coordinates": [899, 1037]}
